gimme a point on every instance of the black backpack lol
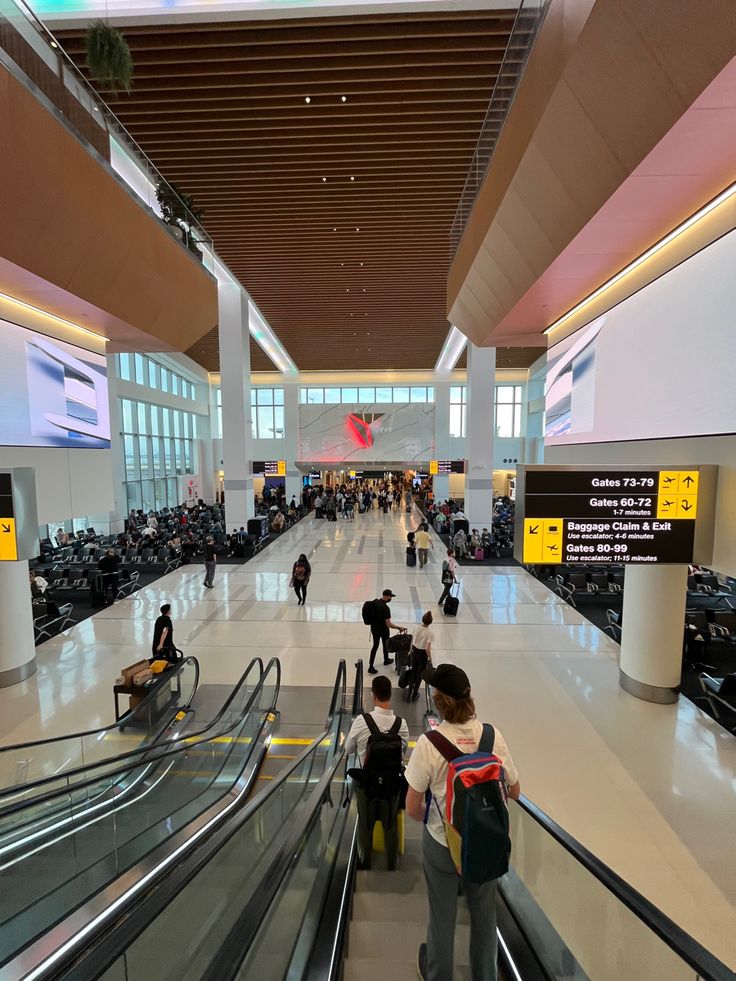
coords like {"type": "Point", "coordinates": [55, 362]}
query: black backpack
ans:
{"type": "Point", "coordinates": [384, 760]}
{"type": "Point", "coordinates": [369, 612]}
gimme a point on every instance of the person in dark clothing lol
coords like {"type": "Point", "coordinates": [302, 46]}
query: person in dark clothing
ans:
{"type": "Point", "coordinates": [381, 626]}
{"type": "Point", "coordinates": [210, 562]}
{"type": "Point", "coordinates": [163, 635]}
{"type": "Point", "coordinates": [300, 575]}
{"type": "Point", "coordinates": [108, 566]}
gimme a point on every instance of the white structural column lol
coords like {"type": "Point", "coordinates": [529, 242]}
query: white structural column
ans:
{"type": "Point", "coordinates": [17, 650]}
{"type": "Point", "coordinates": [291, 452]}
{"type": "Point", "coordinates": [479, 435]}
{"type": "Point", "coordinates": [650, 665]}
{"type": "Point", "coordinates": [441, 482]}
{"type": "Point", "coordinates": [236, 410]}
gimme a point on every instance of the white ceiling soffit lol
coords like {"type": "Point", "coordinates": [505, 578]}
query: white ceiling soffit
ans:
{"type": "Point", "coordinates": [60, 13]}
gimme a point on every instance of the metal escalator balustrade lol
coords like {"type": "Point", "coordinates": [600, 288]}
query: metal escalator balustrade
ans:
{"type": "Point", "coordinates": [25, 768]}
{"type": "Point", "coordinates": [205, 898]}
{"type": "Point", "coordinates": [81, 866]}
{"type": "Point", "coordinates": [76, 781]}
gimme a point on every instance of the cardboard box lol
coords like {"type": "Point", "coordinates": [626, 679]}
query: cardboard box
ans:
{"type": "Point", "coordinates": [135, 700]}
{"type": "Point", "coordinates": [142, 677]}
{"type": "Point", "coordinates": [128, 673]}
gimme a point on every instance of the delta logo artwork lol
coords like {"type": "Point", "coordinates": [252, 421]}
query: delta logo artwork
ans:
{"type": "Point", "coordinates": [363, 427]}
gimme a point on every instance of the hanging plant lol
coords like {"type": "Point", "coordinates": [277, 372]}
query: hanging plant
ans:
{"type": "Point", "coordinates": [108, 56]}
{"type": "Point", "coordinates": [178, 209]}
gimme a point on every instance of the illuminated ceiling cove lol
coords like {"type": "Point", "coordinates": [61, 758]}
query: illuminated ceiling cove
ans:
{"type": "Point", "coordinates": [58, 12]}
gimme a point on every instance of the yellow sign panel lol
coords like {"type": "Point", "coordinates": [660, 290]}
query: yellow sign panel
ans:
{"type": "Point", "coordinates": [542, 540]}
{"type": "Point", "coordinates": [433, 468]}
{"type": "Point", "coordinates": [678, 494]}
{"type": "Point", "coordinates": [8, 546]}
{"type": "Point", "coordinates": [282, 468]}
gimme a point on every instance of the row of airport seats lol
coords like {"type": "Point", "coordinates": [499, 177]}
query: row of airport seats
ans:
{"type": "Point", "coordinates": [578, 581]}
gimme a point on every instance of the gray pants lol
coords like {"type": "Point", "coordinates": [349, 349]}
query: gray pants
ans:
{"type": "Point", "coordinates": [423, 556]}
{"type": "Point", "coordinates": [209, 573]}
{"type": "Point", "coordinates": [442, 892]}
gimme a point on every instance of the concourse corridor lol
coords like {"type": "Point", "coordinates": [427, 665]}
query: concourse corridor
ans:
{"type": "Point", "coordinates": [609, 768]}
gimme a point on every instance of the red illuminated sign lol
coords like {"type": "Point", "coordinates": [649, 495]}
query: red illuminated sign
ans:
{"type": "Point", "coordinates": [360, 425]}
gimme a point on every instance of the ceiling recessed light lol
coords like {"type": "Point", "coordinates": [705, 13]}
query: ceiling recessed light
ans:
{"type": "Point", "coordinates": [343, 98]}
{"type": "Point", "coordinates": [357, 229]}
{"type": "Point", "coordinates": [361, 263]}
{"type": "Point", "coordinates": [347, 291]}
{"type": "Point", "coordinates": [334, 229]}
{"type": "Point", "coordinates": [324, 180]}
{"type": "Point", "coordinates": [352, 178]}
{"type": "Point", "coordinates": [307, 99]}
{"type": "Point", "coordinates": [54, 44]}
{"type": "Point", "coordinates": [342, 263]}
{"type": "Point", "coordinates": [364, 289]}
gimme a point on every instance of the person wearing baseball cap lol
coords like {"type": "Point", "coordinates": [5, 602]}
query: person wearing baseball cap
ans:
{"type": "Point", "coordinates": [381, 626]}
{"type": "Point", "coordinates": [427, 771]}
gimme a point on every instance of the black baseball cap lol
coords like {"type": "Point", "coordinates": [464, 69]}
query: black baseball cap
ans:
{"type": "Point", "coordinates": [449, 679]}
{"type": "Point", "coordinates": [387, 592]}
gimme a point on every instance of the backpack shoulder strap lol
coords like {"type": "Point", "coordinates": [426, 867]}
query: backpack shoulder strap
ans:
{"type": "Point", "coordinates": [394, 730]}
{"type": "Point", "coordinates": [487, 739]}
{"type": "Point", "coordinates": [443, 746]}
{"type": "Point", "coordinates": [371, 723]}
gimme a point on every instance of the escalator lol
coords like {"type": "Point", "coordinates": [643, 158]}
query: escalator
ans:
{"type": "Point", "coordinates": [68, 848]}
{"type": "Point", "coordinates": [103, 866]}
{"type": "Point", "coordinates": [273, 892]}
{"type": "Point", "coordinates": [34, 812]}
{"type": "Point", "coordinates": [39, 766]}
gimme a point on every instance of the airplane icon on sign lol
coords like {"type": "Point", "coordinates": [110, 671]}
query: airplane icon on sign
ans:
{"type": "Point", "coordinates": [668, 504]}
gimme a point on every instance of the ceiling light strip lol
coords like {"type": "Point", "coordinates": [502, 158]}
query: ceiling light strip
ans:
{"type": "Point", "coordinates": [52, 316]}
{"type": "Point", "coordinates": [451, 350]}
{"type": "Point", "coordinates": [716, 202]}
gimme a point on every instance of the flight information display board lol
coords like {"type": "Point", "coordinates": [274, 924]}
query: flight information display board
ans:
{"type": "Point", "coordinates": [607, 516]}
{"type": "Point", "coordinates": [446, 466]}
{"type": "Point", "coordinates": [270, 468]}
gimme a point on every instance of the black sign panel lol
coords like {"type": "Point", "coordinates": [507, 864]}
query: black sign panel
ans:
{"type": "Point", "coordinates": [626, 516]}
{"type": "Point", "coordinates": [6, 496]}
{"type": "Point", "coordinates": [266, 468]}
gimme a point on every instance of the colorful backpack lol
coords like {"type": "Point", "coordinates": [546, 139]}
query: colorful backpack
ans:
{"type": "Point", "coordinates": [476, 817]}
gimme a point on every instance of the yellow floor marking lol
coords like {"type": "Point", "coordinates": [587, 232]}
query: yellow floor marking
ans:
{"type": "Point", "coordinates": [280, 756]}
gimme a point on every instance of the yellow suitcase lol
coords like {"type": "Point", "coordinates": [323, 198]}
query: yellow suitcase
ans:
{"type": "Point", "coordinates": [378, 845]}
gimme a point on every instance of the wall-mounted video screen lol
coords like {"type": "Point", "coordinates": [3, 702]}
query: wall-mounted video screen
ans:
{"type": "Point", "coordinates": [660, 364]}
{"type": "Point", "coordinates": [51, 393]}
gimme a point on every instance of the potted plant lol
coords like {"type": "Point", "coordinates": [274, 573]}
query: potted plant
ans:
{"type": "Point", "coordinates": [179, 210]}
{"type": "Point", "coordinates": [108, 56]}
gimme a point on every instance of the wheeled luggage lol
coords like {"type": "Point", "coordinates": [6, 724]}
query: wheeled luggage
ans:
{"type": "Point", "coordinates": [402, 659]}
{"type": "Point", "coordinates": [400, 644]}
{"type": "Point", "coordinates": [411, 556]}
{"type": "Point", "coordinates": [406, 676]}
{"type": "Point", "coordinates": [451, 606]}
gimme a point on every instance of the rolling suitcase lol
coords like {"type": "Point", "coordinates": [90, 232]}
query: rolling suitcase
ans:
{"type": "Point", "coordinates": [451, 606]}
{"type": "Point", "coordinates": [400, 645]}
{"type": "Point", "coordinates": [402, 659]}
{"type": "Point", "coordinates": [411, 556]}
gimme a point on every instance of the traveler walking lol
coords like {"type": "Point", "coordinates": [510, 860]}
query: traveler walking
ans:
{"type": "Point", "coordinates": [424, 543]}
{"type": "Point", "coordinates": [377, 614]}
{"type": "Point", "coordinates": [210, 561]}
{"type": "Point", "coordinates": [449, 575]}
{"type": "Point", "coordinates": [301, 573]}
{"type": "Point", "coordinates": [378, 783]}
{"type": "Point", "coordinates": [108, 566]}
{"type": "Point", "coordinates": [163, 635]}
{"type": "Point", "coordinates": [421, 654]}
{"type": "Point", "coordinates": [485, 842]}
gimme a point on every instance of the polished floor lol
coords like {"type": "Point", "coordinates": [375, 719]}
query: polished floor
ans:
{"type": "Point", "coordinates": [649, 789]}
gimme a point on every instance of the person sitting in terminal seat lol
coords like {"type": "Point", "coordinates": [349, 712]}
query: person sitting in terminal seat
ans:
{"type": "Point", "coordinates": [460, 543]}
{"type": "Point", "coordinates": [426, 775]}
{"type": "Point", "coordinates": [380, 740]}
{"type": "Point", "coordinates": [486, 540]}
{"type": "Point", "coordinates": [475, 541]}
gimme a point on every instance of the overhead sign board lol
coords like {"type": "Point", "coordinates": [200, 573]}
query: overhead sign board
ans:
{"type": "Point", "coordinates": [270, 468]}
{"type": "Point", "coordinates": [446, 466]}
{"type": "Point", "coordinates": [18, 515]}
{"type": "Point", "coordinates": [609, 516]}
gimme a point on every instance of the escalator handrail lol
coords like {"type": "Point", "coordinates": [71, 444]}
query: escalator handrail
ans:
{"type": "Point", "coordinates": [706, 964]}
{"type": "Point", "coordinates": [88, 918]}
{"type": "Point", "coordinates": [134, 757]}
{"type": "Point", "coordinates": [118, 724]}
{"type": "Point", "coordinates": [132, 918]}
{"type": "Point", "coordinates": [226, 964]}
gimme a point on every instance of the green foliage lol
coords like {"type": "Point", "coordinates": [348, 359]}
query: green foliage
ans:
{"type": "Point", "coordinates": [108, 56]}
{"type": "Point", "coordinates": [176, 207]}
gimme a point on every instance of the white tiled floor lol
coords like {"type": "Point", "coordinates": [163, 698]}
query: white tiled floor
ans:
{"type": "Point", "coordinates": [649, 789]}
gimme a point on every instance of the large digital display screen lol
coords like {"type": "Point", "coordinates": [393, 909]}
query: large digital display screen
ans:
{"type": "Point", "coordinates": [51, 393]}
{"type": "Point", "coordinates": [658, 365]}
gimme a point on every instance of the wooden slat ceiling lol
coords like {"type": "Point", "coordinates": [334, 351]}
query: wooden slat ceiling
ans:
{"type": "Point", "coordinates": [334, 215]}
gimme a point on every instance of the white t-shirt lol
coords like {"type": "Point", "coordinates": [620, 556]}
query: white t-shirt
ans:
{"type": "Point", "coordinates": [422, 637]}
{"type": "Point", "coordinates": [427, 768]}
